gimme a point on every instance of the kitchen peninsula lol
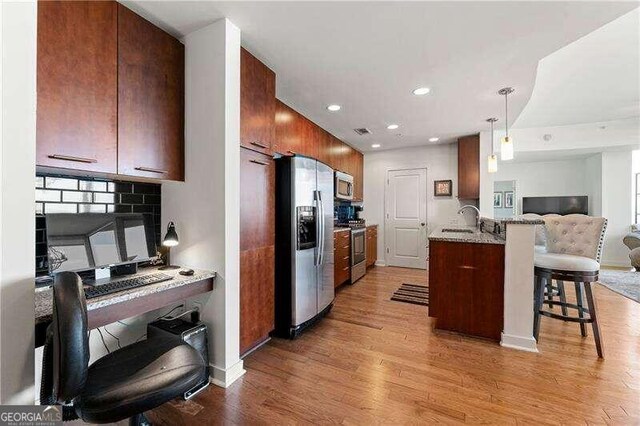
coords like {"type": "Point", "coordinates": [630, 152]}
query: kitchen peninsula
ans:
{"type": "Point", "coordinates": [481, 283]}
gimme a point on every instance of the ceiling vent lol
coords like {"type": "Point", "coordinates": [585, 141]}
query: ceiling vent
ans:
{"type": "Point", "coordinates": [362, 131]}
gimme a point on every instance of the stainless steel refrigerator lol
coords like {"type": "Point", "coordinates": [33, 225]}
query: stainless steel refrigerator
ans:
{"type": "Point", "coordinates": [304, 243]}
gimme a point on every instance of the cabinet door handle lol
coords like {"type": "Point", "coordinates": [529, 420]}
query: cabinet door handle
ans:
{"type": "Point", "coordinates": [345, 258]}
{"type": "Point", "coordinates": [345, 247]}
{"type": "Point", "coordinates": [259, 145]}
{"type": "Point", "coordinates": [291, 152]}
{"type": "Point", "coordinates": [151, 169]}
{"type": "Point", "coordinates": [262, 163]}
{"type": "Point", "coordinates": [71, 158]}
{"type": "Point", "coordinates": [346, 269]}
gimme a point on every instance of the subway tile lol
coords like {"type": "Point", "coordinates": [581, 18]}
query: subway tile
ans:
{"type": "Point", "coordinates": [41, 237]}
{"type": "Point", "coordinates": [131, 198]}
{"type": "Point", "coordinates": [40, 222]}
{"type": "Point", "coordinates": [39, 181]}
{"type": "Point", "coordinates": [141, 208]}
{"type": "Point", "coordinates": [41, 249]}
{"type": "Point", "coordinates": [123, 208]}
{"type": "Point", "coordinates": [111, 208]}
{"type": "Point", "coordinates": [123, 187]}
{"type": "Point", "coordinates": [60, 208]}
{"type": "Point", "coordinates": [111, 186]}
{"type": "Point", "coordinates": [103, 198]}
{"type": "Point", "coordinates": [151, 199]}
{"type": "Point", "coordinates": [146, 188]}
{"type": "Point", "coordinates": [47, 195]}
{"type": "Point", "coordinates": [60, 183]}
{"type": "Point", "coordinates": [93, 185]}
{"type": "Point", "coordinates": [39, 208]}
{"type": "Point", "coordinates": [76, 197]}
{"type": "Point", "coordinates": [92, 208]}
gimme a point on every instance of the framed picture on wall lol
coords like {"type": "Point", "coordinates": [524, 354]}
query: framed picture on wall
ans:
{"type": "Point", "coordinates": [497, 200]}
{"type": "Point", "coordinates": [508, 199]}
{"type": "Point", "coordinates": [442, 188]}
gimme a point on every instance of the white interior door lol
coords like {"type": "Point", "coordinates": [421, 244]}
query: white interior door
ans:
{"type": "Point", "coordinates": [406, 218]}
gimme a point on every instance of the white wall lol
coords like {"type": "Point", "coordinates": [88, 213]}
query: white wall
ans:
{"type": "Point", "coordinates": [205, 207]}
{"type": "Point", "coordinates": [544, 178]}
{"type": "Point", "coordinates": [617, 205]}
{"type": "Point", "coordinates": [17, 198]}
{"type": "Point", "coordinates": [441, 162]}
{"type": "Point", "coordinates": [593, 182]}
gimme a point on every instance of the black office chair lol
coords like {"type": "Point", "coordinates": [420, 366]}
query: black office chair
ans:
{"type": "Point", "coordinates": [120, 385]}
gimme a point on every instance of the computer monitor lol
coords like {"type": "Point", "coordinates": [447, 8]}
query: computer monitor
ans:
{"type": "Point", "coordinates": [80, 242]}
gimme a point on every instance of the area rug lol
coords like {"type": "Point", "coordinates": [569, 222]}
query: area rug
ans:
{"type": "Point", "coordinates": [412, 293]}
{"type": "Point", "coordinates": [626, 283]}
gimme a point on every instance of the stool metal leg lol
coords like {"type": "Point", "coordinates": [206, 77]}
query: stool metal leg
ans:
{"type": "Point", "coordinates": [579, 302]}
{"type": "Point", "coordinates": [563, 297]}
{"type": "Point", "coordinates": [537, 306]}
{"type": "Point", "coordinates": [591, 303]}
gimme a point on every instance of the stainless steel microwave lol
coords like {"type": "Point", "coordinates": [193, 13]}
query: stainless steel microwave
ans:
{"type": "Point", "coordinates": [343, 186]}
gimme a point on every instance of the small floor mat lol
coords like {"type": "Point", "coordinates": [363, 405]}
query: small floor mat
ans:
{"type": "Point", "coordinates": [412, 293]}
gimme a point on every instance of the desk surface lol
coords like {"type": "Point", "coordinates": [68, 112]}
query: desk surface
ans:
{"type": "Point", "coordinates": [178, 287]}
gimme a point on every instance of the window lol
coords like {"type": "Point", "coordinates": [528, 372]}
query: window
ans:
{"type": "Point", "coordinates": [637, 198]}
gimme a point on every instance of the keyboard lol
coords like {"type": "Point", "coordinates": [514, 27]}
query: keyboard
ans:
{"type": "Point", "coordinates": [115, 287]}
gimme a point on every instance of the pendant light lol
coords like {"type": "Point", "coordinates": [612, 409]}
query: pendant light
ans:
{"type": "Point", "coordinates": [506, 145]}
{"type": "Point", "coordinates": [492, 160]}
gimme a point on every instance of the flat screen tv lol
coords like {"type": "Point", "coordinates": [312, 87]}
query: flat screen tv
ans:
{"type": "Point", "coordinates": [558, 205]}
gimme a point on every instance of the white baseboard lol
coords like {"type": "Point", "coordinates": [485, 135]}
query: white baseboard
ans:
{"type": "Point", "coordinates": [380, 263]}
{"type": "Point", "coordinates": [520, 343]}
{"type": "Point", "coordinates": [225, 377]}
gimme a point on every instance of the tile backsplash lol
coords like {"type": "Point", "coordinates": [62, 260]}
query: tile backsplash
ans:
{"type": "Point", "coordinates": [61, 194]}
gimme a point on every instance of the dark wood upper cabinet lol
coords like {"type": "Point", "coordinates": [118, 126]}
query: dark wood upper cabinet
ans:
{"type": "Point", "coordinates": [150, 99]}
{"type": "Point", "coordinates": [358, 176]}
{"type": "Point", "coordinates": [469, 167]}
{"type": "Point", "coordinates": [324, 147]}
{"type": "Point", "coordinates": [77, 85]}
{"type": "Point", "coordinates": [257, 104]}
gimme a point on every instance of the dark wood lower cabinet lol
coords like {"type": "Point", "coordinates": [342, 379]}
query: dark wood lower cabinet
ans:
{"type": "Point", "coordinates": [256, 296]}
{"type": "Point", "coordinates": [372, 245]}
{"type": "Point", "coordinates": [341, 257]}
{"type": "Point", "coordinates": [466, 287]}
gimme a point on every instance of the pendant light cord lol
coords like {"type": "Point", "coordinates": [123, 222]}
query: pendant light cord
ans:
{"type": "Point", "coordinates": [506, 114]}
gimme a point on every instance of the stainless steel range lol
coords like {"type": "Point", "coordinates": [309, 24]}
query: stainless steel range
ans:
{"type": "Point", "coordinates": [358, 253]}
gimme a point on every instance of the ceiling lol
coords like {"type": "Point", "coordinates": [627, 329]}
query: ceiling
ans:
{"type": "Point", "coordinates": [594, 79]}
{"type": "Point", "coordinates": [369, 56]}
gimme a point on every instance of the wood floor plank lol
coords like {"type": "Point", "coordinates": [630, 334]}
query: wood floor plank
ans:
{"type": "Point", "coordinates": [375, 361]}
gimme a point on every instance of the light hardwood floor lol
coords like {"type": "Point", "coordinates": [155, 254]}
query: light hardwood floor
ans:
{"type": "Point", "coordinates": [373, 361]}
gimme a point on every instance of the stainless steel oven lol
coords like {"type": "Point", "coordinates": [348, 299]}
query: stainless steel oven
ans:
{"type": "Point", "coordinates": [358, 254]}
{"type": "Point", "coordinates": [343, 188]}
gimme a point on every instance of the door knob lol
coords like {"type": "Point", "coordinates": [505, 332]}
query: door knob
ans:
{"type": "Point", "coordinates": [422, 224]}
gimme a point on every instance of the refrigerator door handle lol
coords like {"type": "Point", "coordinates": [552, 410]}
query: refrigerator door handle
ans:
{"type": "Point", "coordinates": [316, 200]}
{"type": "Point", "coordinates": [321, 222]}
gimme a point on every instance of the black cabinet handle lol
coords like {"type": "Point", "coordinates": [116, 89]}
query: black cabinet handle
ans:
{"type": "Point", "coordinates": [259, 162]}
{"type": "Point", "coordinates": [259, 145]}
{"type": "Point", "coordinates": [151, 169]}
{"type": "Point", "coordinates": [72, 158]}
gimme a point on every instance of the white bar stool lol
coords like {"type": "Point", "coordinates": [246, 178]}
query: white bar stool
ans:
{"type": "Point", "coordinates": [573, 252]}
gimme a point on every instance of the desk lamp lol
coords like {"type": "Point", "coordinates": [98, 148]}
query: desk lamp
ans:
{"type": "Point", "coordinates": [170, 240]}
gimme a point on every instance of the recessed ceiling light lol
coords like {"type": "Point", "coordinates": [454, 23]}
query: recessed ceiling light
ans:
{"type": "Point", "coordinates": [392, 126]}
{"type": "Point", "coordinates": [434, 139]}
{"type": "Point", "coordinates": [334, 107]}
{"type": "Point", "coordinates": [421, 91]}
{"type": "Point", "coordinates": [375, 145]}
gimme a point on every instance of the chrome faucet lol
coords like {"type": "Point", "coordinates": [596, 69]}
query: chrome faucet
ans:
{"type": "Point", "coordinates": [461, 211]}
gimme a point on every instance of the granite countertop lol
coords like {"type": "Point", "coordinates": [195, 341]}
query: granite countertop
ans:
{"type": "Point", "coordinates": [340, 228]}
{"type": "Point", "coordinates": [43, 302]}
{"type": "Point", "coordinates": [475, 236]}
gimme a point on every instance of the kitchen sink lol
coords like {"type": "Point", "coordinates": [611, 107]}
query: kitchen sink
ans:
{"type": "Point", "coordinates": [462, 231]}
